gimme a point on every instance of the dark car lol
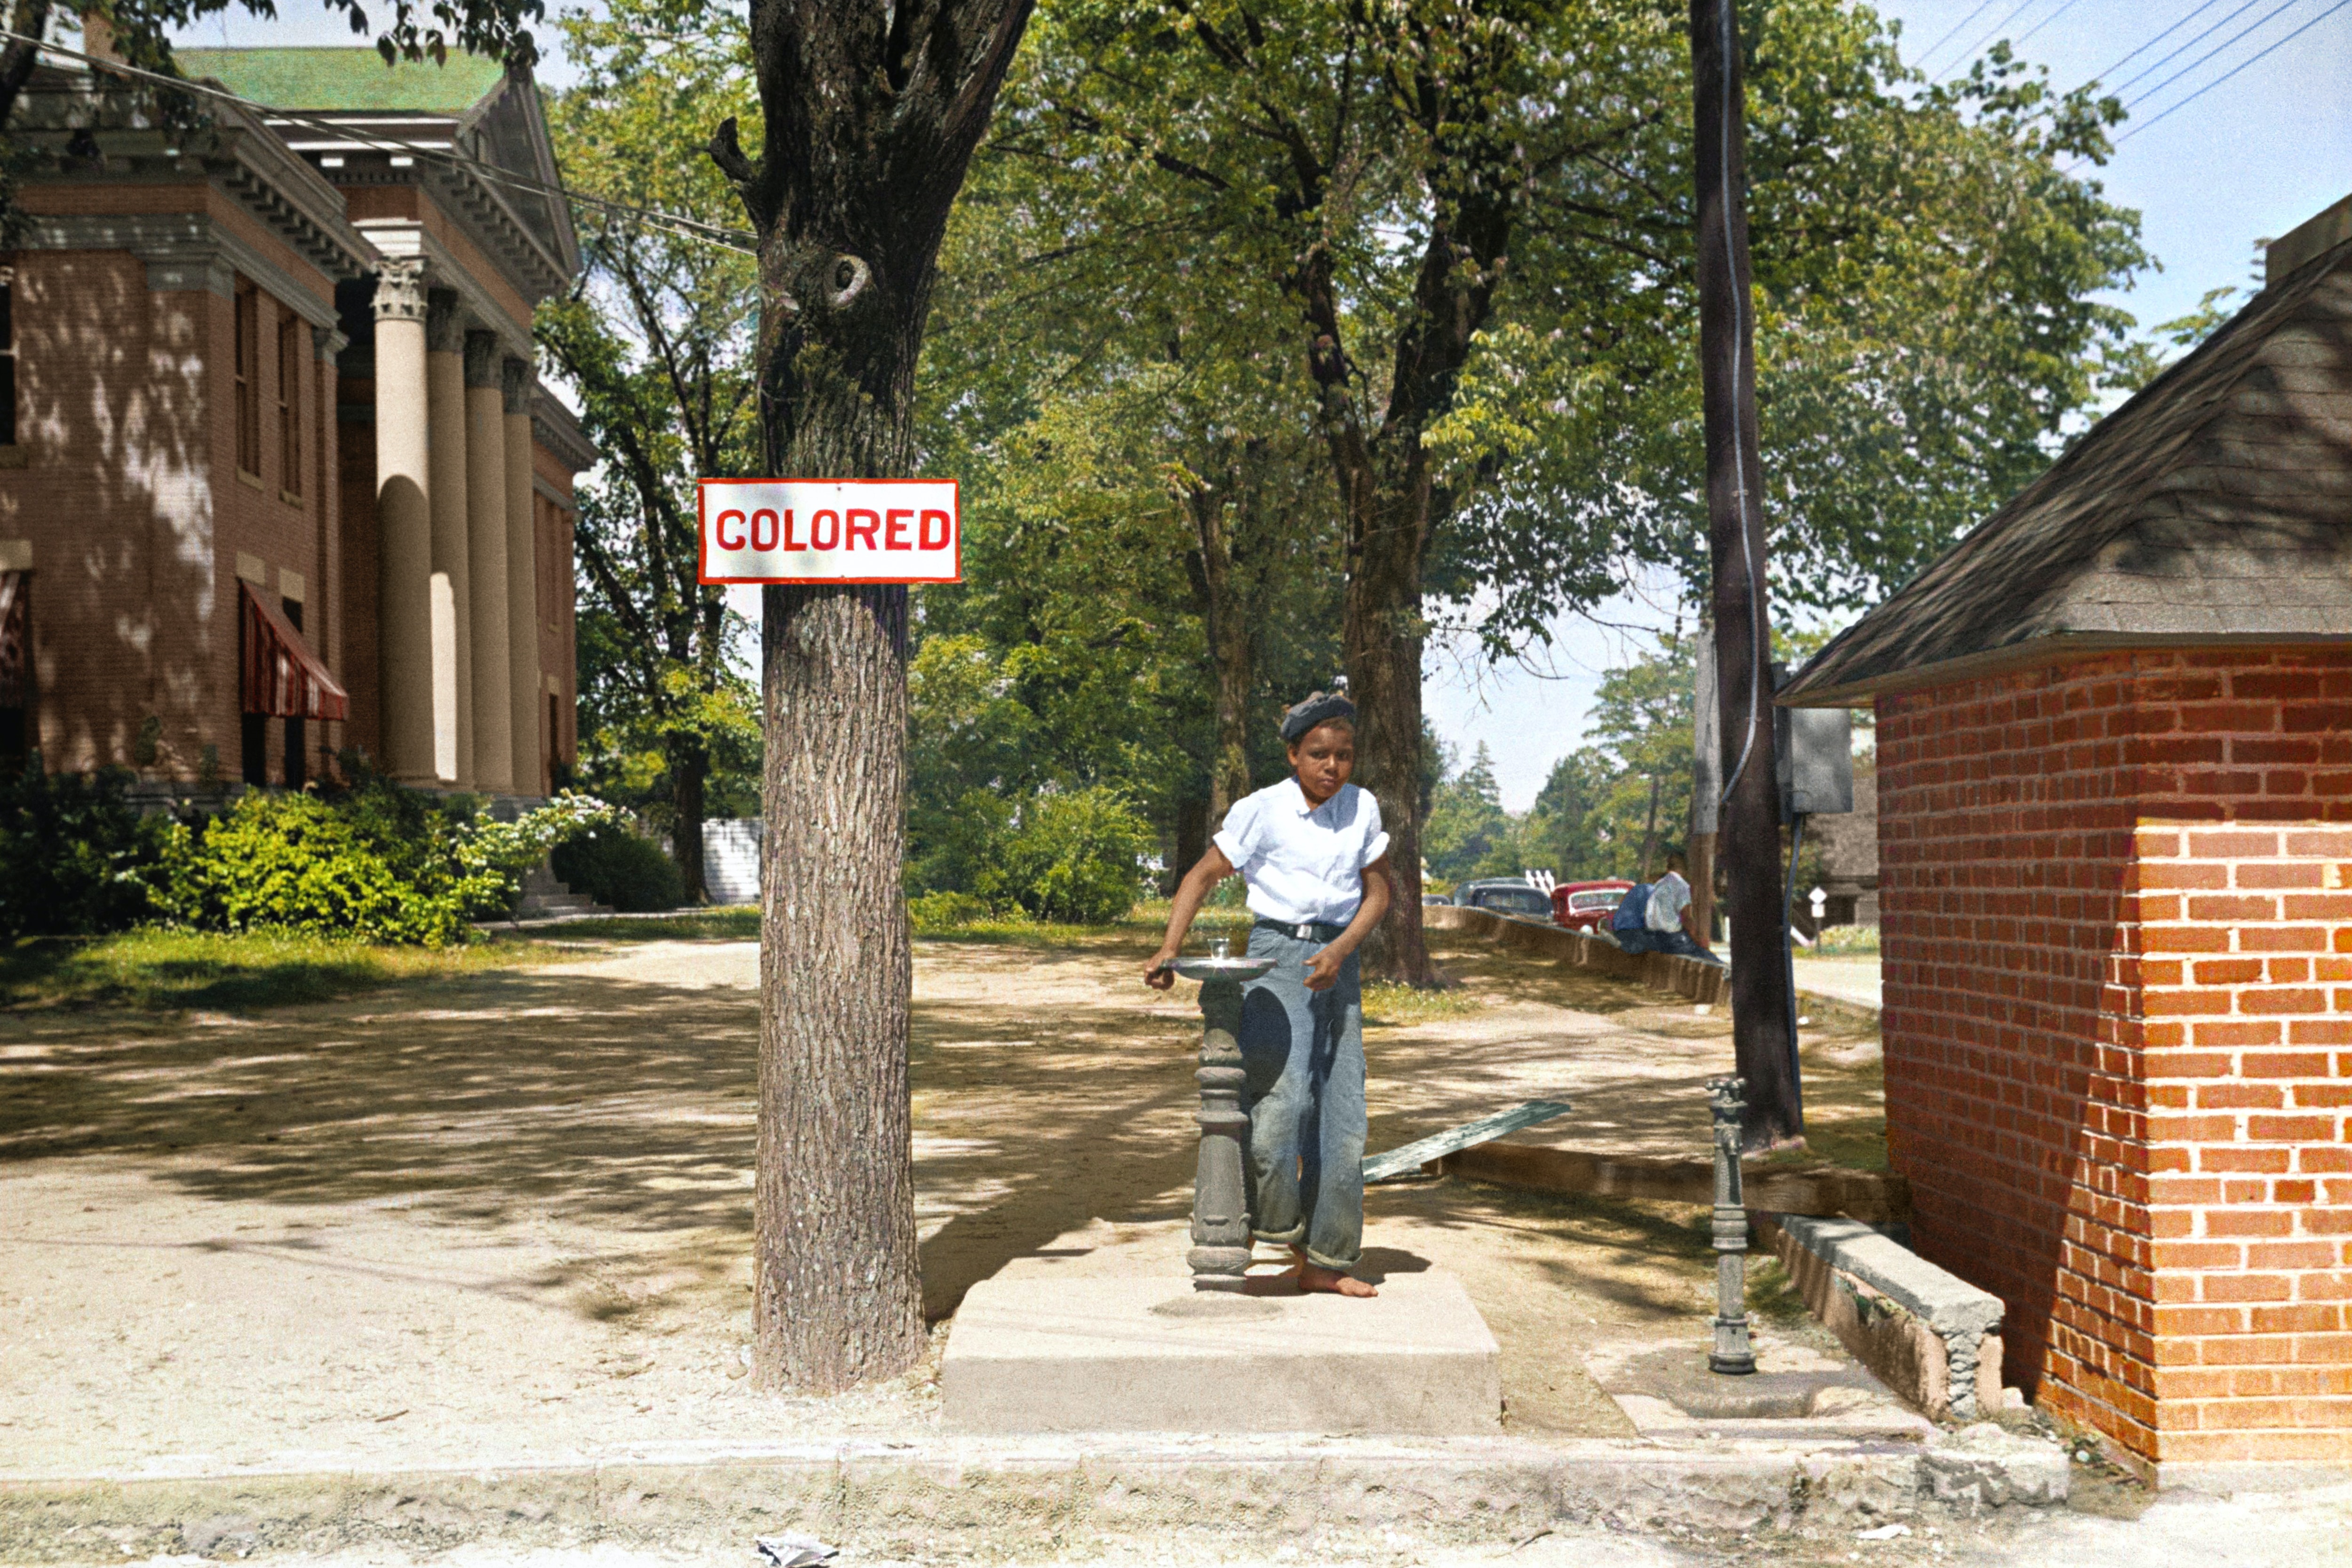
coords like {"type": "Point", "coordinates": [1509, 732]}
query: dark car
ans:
{"type": "Point", "coordinates": [1587, 906]}
{"type": "Point", "coordinates": [1513, 896]}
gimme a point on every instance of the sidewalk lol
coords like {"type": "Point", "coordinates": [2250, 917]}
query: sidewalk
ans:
{"type": "Point", "coordinates": [1853, 980]}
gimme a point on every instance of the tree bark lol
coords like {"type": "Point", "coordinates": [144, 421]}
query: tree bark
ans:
{"type": "Point", "coordinates": [1389, 507]}
{"type": "Point", "coordinates": [1650, 828]}
{"type": "Point", "coordinates": [689, 769]}
{"type": "Point", "coordinates": [1226, 613]}
{"type": "Point", "coordinates": [870, 114]}
{"type": "Point", "coordinates": [1750, 821]}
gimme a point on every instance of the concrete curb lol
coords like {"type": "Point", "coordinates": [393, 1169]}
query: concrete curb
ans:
{"type": "Point", "coordinates": [991, 1495]}
{"type": "Point", "coordinates": [1925, 1333]}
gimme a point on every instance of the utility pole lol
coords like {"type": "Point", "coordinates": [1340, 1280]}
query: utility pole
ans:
{"type": "Point", "coordinates": [1750, 817]}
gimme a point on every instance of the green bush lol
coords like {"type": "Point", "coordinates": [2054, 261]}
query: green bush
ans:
{"type": "Point", "coordinates": [928, 912]}
{"type": "Point", "coordinates": [380, 862]}
{"type": "Point", "coordinates": [614, 866]}
{"type": "Point", "coordinates": [77, 859]}
{"type": "Point", "coordinates": [294, 863]}
{"type": "Point", "coordinates": [1076, 857]}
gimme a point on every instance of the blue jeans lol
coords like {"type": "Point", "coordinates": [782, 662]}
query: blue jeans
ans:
{"type": "Point", "coordinates": [1303, 1058]}
{"type": "Point", "coordinates": [1674, 942]}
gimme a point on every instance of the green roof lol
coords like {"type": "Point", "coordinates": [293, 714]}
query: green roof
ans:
{"type": "Point", "coordinates": [356, 79]}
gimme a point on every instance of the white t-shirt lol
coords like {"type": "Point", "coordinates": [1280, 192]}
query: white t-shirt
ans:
{"type": "Point", "coordinates": [1304, 863]}
{"type": "Point", "coordinates": [1669, 897]}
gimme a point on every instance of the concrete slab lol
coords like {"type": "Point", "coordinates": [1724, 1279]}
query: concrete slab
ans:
{"type": "Point", "coordinates": [1795, 1392]}
{"type": "Point", "coordinates": [1031, 1353]}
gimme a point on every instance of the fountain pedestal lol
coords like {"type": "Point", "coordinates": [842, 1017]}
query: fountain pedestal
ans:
{"type": "Point", "coordinates": [1070, 1340]}
{"type": "Point", "coordinates": [1221, 1218]}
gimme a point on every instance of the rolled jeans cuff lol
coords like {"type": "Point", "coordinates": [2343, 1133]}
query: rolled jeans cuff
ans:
{"type": "Point", "coordinates": [1290, 1237]}
{"type": "Point", "coordinates": [1336, 1265]}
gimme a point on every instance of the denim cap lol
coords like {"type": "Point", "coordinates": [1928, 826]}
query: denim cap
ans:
{"type": "Point", "coordinates": [1319, 707]}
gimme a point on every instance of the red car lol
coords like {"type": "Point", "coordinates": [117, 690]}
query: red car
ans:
{"type": "Point", "coordinates": [1587, 906]}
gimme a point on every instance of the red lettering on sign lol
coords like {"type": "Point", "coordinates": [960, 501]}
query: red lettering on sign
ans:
{"type": "Point", "coordinates": [789, 541]}
{"type": "Point", "coordinates": [864, 530]}
{"type": "Point", "coordinates": [764, 529]}
{"type": "Point", "coordinates": [818, 538]}
{"type": "Point", "coordinates": [894, 531]}
{"type": "Point", "coordinates": [924, 532]}
{"type": "Point", "coordinates": [721, 532]}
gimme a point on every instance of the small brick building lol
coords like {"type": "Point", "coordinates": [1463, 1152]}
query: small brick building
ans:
{"type": "Point", "coordinates": [2115, 767]}
{"type": "Point", "coordinates": [275, 475]}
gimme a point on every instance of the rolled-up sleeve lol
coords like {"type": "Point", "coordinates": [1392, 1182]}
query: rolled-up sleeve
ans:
{"type": "Point", "coordinates": [1242, 835]}
{"type": "Point", "coordinates": [1376, 838]}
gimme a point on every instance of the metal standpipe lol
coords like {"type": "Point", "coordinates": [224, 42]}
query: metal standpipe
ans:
{"type": "Point", "coordinates": [1732, 1354]}
{"type": "Point", "coordinates": [1221, 1220]}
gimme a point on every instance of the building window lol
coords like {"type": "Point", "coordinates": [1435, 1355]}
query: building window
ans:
{"type": "Point", "coordinates": [291, 333]}
{"type": "Point", "coordinates": [248, 380]}
{"type": "Point", "coordinates": [7, 356]}
{"type": "Point", "coordinates": [298, 771]}
{"type": "Point", "coordinates": [16, 670]}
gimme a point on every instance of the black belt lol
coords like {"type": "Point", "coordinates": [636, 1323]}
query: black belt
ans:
{"type": "Point", "coordinates": [1305, 930]}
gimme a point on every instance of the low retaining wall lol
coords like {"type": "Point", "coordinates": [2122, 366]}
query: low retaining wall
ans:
{"type": "Point", "coordinates": [1930, 1336]}
{"type": "Point", "coordinates": [1825, 1190]}
{"type": "Point", "coordinates": [1692, 977]}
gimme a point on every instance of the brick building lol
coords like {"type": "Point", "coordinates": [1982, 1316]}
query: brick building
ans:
{"type": "Point", "coordinates": [2115, 762]}
{"type": "Point", "coordinates": [277, 480]}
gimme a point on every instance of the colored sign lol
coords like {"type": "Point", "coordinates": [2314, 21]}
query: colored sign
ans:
{"type": "Point", "coordinates": [830, 530]}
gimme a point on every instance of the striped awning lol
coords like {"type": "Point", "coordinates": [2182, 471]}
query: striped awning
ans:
{"type": "Point", "coordinates": [15, 638]}
{"type": "Point", "coordinates": [282, 676]}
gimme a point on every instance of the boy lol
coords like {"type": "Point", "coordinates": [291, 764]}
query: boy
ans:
{"type": "Point", "coordinates": [1315, 860]}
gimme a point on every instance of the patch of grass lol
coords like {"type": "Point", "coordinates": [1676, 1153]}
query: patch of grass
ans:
{"type": "Point", "coordinates": [1844, 942]}
{"type": "Point", "coordinates": [735, 922]}
{"type": "Point", "coordinates": [154, 969]}
{"type": "Point", "coordinates": [1392, 1002]}
{"type": "Point", "coordinates": [1771, 1294]}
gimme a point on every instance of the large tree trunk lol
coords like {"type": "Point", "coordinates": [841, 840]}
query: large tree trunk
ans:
{"type": "Point", "coordinates": [689, 769]}
{"type": "Point", "coordinates": [1381, 638]}
{"type": "Point", "coordinates": [1761, 1015]}
{"type": "Point", "coordinates": [1226, 614]}
{"type": "Point", "coordinates": [871, 114]}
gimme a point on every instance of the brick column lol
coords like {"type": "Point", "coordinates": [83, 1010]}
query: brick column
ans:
{"type": "Point", "coordinates": [485, 501]}
{"type": "Point", "coordinates": [452, 656]}
{"type": "Point", "coordinates": [404, 526]}
{"type": "Point", "coordinates": [522, 585]}
{"type": "Point", "coordinates": [2117, 927]}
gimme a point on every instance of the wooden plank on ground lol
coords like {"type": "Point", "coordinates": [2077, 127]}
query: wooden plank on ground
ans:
{"type": "Point", "coordinates": [1825, 1190]}
{"type": "Point", "coordinates": [1421, 1152]}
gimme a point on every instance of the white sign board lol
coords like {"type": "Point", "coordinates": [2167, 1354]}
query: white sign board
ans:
{"type": "Point", "coordinates": [830, 530]}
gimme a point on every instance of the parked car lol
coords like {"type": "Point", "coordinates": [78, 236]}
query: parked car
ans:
{"type": "Point", "coordinates": [1513, 896]}
{"type": "Point", "coordinates": [1587, 906]}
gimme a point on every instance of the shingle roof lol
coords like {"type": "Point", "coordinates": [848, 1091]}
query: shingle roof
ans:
{"type": "Point", "coordinates": [329, 78]}
{"type": "Point", "coordinates": [2214, 506]}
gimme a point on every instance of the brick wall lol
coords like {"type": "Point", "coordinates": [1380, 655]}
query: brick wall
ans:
{"type": "Point", "coordinates": [2118, 905]}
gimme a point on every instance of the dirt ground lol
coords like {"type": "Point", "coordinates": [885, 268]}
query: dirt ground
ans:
{"type": "Point", "coordinates": [509, 1215]}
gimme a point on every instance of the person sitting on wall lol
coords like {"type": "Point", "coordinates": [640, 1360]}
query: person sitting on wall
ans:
{"type": "Point", "coordinates": [1315, 859]}
{"type": "Point", "coordinates": [1668, 923]}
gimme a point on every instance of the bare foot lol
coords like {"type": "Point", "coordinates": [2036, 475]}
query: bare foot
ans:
{"type": "Point", "coordinates": [1310, 1278]}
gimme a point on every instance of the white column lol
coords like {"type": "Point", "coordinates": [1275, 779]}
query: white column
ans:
{"type": "Point", "coordinates": [404, 527]}
{"type": "Point", "coordinates": [532, 747]}
{"type": "Point", "coordinates": [486, 466]}
{"type": "Point", "coordinates": [453, 654]}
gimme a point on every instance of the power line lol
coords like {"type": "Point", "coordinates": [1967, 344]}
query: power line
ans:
{"type": "Point", "coordinates": [2196, 12]}
{"type": "Point", "coordinates": [685, 227]}
{"type": "Point", "coordinates": [2229, 43]}
{"type": "Point", "coordinates": [2148, 70]}
{"type": "Point", "coordinates": [1969, 53]}
{"type": "Point", "coordinates": [2045, 21]}
{"type": "Point", "coordinates": [1929, 52]}
{"type": "Point", "coordinates": [2234, 70]}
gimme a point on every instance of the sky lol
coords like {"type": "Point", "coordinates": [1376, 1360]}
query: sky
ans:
{"type": "Point", "coordinates": [2242, 159]}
